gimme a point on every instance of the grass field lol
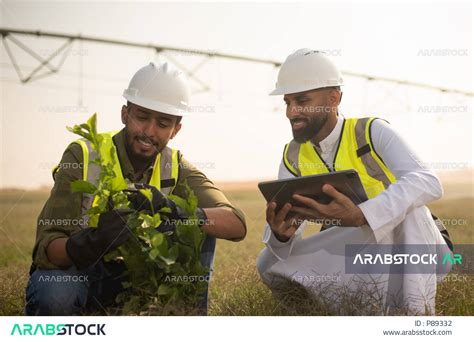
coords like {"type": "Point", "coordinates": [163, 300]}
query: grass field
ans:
{"type": "Point", "coordinates": [236, 288]}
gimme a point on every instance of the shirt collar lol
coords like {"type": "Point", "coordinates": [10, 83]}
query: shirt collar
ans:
{"type": "Point", "coordinates": [330, 142]}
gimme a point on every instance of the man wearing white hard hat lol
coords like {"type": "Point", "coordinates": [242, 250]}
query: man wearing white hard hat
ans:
{"type": "Point", "coordinates": [157, 99]}
{"type": "Point", "coordinates": [397, 185]}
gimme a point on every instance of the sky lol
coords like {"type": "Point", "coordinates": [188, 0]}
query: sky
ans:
{"type": "Point", "coordinates": [239, 131]}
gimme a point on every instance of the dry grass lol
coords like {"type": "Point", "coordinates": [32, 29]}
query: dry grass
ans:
{"type": "Point", "coordinates": [235, 288]}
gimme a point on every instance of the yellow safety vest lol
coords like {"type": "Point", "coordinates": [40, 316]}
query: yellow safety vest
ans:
{"type": "Point", "coordinates": [164, 175]}
{"type": "Point", "coordinates": [355, 151]}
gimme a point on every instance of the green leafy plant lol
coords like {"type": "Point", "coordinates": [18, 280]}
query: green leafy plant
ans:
{"type": "Point", "coordinates": [164, 274]}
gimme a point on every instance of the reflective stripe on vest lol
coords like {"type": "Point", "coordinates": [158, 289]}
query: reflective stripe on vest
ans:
{"type": "Point", "coordinates": [164, 175]}
{"type": "Point", "coordinates": [355, 151]}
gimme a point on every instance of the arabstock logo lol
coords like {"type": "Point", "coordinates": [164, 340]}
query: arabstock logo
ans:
{"type": "Point", "coordinates": [57, 329]}
{"type": "Point", "coordinates": [405, 259]}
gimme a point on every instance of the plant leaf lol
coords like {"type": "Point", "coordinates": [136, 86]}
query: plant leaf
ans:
{"type": "Point", "coordinates": [83, 186]}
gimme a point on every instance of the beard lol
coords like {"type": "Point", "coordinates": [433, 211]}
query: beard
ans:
{"type": "Point", "coordinates": [133, 155]}
{"type": "Point", "coordinates": [313, 126]}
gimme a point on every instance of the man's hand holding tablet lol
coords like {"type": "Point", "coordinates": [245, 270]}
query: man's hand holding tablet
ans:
{"type": "Point", "coordinates": [332, 196]}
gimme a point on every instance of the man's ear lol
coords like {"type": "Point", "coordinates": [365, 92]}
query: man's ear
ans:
{"type": "Point", "coordinates": [124, 114]}
{"type": "Point", "coordinates": [335, 97]}
{"type": "Point", "coordinates": [176, 129]}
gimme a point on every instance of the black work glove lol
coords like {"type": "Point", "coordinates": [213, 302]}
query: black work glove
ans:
{"type": "Point", "coordinates": [159, 201]}
{"type": "Point", "coordinates": [166, 226]}
{"type": "Point", "coordinates": [89, 245]}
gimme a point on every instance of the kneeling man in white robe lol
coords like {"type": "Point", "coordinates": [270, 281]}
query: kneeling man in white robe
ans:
{"type": "Point", "coordinates": [398, 186]}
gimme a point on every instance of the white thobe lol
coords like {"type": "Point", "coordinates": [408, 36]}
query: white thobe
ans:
{"type": "Point", "coordinates": [398, 215]}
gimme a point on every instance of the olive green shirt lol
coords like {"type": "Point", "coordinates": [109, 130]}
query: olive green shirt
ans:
{"type": "Point", "coordinates": [61, 213]}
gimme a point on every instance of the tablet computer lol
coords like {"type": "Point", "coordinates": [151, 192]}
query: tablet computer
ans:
{"type": "Point", "coordinates": [281, 191]}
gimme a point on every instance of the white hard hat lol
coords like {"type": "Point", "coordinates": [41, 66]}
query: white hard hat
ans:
{"type": "Point", "coordinates": [307, 69]}
{"type": "Point", "coordinates": [160, 88]}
